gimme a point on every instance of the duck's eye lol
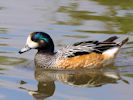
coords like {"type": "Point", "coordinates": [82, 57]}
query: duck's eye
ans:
{"type": "Point", "coordinates": [35, 37]}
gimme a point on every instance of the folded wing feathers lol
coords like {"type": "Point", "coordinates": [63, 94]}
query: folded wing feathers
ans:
{"type": "Point", "coordinates": [87, 47]}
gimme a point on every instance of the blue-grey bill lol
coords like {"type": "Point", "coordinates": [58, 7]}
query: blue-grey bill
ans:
{"type": "Point", "coordinates": [26, 48]}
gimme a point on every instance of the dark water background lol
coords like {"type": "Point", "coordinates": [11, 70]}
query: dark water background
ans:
{"type": "Point", "coordinates": [67, 21]}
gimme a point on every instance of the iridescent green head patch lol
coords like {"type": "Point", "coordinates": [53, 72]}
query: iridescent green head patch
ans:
{"type": "Point", "coordinates": [40, 36]}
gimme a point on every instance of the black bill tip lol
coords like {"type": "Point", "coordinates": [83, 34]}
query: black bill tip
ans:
{"type": "Point", "coordinates": [20, 52]}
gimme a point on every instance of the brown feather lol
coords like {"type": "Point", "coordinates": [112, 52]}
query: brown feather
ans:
{"type": "Point", "coordinates": [91, 60]}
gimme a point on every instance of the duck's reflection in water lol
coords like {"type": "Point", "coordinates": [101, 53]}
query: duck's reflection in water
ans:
{"type": "Point", "coordinates": [45, 89]}
{"type": "Point", "coordinates": [79, 78]}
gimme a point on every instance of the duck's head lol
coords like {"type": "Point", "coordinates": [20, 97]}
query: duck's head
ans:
{"type": "Point", "coordinates": [38, 40]}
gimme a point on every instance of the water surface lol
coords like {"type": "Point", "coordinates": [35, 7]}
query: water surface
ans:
{"type": "Point", "coordinates": [67, 21]}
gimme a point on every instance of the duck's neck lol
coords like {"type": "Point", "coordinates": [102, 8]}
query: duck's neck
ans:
{"type": "Point", "coordinates": [47, 49]}
{"type": "Point", "coordinates": [45, 52]}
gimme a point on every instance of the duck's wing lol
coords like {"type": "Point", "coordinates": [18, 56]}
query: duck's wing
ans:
{"type": "Point", "coordinates": [72, 50]}
{"type": "Point", "coordinates": [86, 47]}
{"type": "Point", "coordinates": [109, 40]}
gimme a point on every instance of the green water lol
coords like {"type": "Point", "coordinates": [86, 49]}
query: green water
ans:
{"type": "Point", "coordinates": [67, 21]}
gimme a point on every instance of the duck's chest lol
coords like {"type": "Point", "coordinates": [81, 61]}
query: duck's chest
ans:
{"type": "Point", "coordinates": [44, 60]}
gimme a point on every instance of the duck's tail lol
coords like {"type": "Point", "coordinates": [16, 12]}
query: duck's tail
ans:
{"type": "Point", "coordinates": [111, 53]}
{"type": "Point", "coordinates": [111, 39]}
{"type": "Point", "coordinates": [123, 42]}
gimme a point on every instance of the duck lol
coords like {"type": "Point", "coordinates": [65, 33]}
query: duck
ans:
{"type": "Point", "coordinates": [91, 54]}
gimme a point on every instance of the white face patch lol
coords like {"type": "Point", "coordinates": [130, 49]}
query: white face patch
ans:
{"type": "Point", "coordinates": [31, 43]}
